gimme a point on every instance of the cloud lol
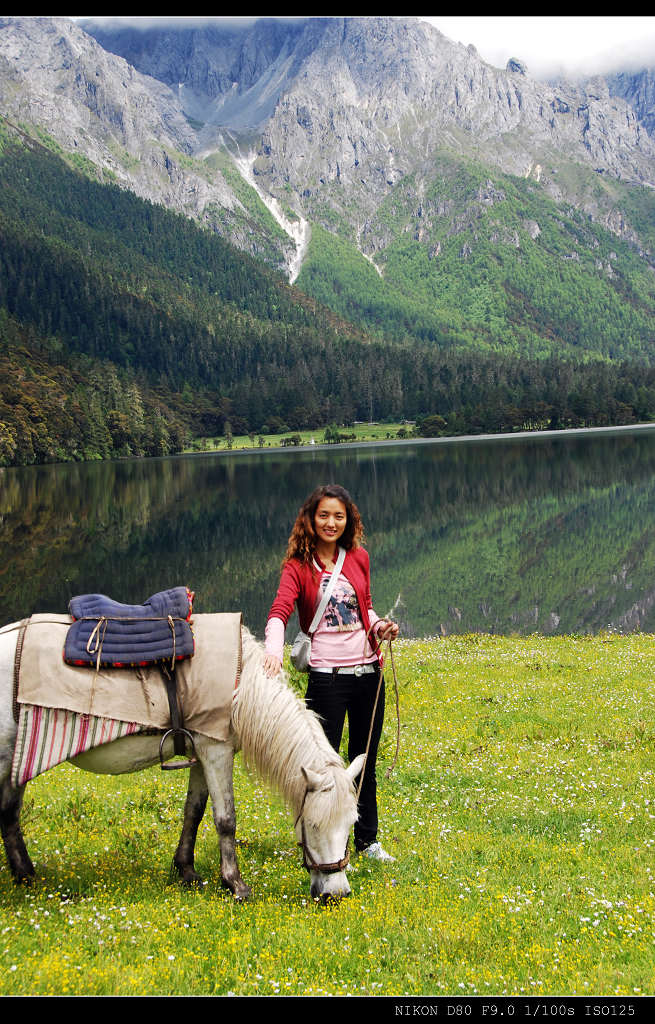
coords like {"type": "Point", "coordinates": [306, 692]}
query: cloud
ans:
{"type": "Point", "coordinates": [179, 21]}
{"type": "Point", "coordinates": [573, 45]}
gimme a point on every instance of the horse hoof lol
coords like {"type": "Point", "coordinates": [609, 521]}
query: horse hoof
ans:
{"type": "Point", "coordinates": [187, 876]}
{"type": "Point", "coordinates": [193, 883]}
{"type": "Point", "coordinates": [25, 878]}
{"type": "Point", "coordinates": [239, 889]}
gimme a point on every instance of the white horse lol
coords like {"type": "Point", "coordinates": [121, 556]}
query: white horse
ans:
{"type": "Point", "coordinates": [278, 735]}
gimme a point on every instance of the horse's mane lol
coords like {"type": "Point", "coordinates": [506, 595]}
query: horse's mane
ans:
{"type": "Point", "coordinates": [279, 736]}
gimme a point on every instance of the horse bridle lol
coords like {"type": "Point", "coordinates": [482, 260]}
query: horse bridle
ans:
{"type": "Point", "coordinates": [307, 859]}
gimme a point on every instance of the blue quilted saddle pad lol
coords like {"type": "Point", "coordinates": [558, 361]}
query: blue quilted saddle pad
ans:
{"type": "Point", "coordinates": [106, 633]}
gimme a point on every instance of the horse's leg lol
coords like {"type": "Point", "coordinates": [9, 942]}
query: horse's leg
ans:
{"type": "Point", "coordinates": [11, 800]}
{"type": "Point", "coordinates": [194, 808]}
{"type": "Point", "coordinates": [218, 763]}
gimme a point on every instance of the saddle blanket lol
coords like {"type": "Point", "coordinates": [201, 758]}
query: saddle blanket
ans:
{"type": "Point", "coordinates": [205, 683]}
{"type": "Point", "coordinates": [50, 736]}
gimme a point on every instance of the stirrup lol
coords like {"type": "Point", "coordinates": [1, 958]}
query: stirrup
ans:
{"type": "Point", "coordinates": [167, 766]}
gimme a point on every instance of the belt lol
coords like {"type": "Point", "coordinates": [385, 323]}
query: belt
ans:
{"type": "Point", "coordinates": [348, 670]}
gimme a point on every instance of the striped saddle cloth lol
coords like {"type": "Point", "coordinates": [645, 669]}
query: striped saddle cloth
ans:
{"type": "Point", "coordinates": [106, 634]}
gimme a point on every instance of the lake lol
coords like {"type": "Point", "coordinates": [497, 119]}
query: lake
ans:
{"type": "Point", "coordinates": [548, 534]}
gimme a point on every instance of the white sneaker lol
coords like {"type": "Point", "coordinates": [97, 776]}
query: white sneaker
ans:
{"type": "Point", "coordinates": [376, 852]}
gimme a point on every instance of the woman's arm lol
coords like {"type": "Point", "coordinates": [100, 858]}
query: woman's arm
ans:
{"type": "Point", "coordinates": [287, 592]}
{"type": "Point", "coordinates": [274, 646]}
{"type": "Point", "coordinates": [278, 616]}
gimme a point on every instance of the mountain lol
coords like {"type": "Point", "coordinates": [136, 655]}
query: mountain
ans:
{"type": "Point", "coordinates": [264, 129]}
{"type": "Point", "coordinates": [465, 242]}
{"type": "Point", "coordinates": [128, 329]}
{"type": "Point", "coordinates": [637, 87]}
{"type": "Point", "coordinates": [343, 109]}
{"type": "Point", "coordinates": [411, 150]}
{"type": "Point", "coordinates": [127, 128]}
{"type": "Point", "coordinates": [222, 74]}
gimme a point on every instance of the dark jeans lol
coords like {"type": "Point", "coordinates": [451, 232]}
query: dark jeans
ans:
{"type": "Point", "coordinates": [332, 697]}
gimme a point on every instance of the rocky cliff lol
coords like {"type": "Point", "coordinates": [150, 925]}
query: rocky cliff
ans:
{"type": "Point", "coordinates": [638, 89]}
{"type": "Point", "coordinates": [264, 128]}
{"type": "Point", "coordinates": [340, 110]}
{"type": "Point", "coordinates": [57, 79]}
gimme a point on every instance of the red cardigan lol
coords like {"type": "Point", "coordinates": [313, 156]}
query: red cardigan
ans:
{"type": "Point", "coordinates": [298, 585]}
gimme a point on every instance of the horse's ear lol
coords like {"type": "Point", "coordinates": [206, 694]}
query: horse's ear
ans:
{"type": "Point", "coordinates": [313, 779]}
{"type": "Point", "coordinates": [355, 767]}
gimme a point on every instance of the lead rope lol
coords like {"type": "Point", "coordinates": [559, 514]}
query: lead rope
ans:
{"type": "Point", "coordinates": [375, 706]}
{"type": "Point", "coordinates": [395, 686]}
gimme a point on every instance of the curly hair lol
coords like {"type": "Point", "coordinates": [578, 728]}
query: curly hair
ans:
{"type": "Point", "coordinates": [302, 541]}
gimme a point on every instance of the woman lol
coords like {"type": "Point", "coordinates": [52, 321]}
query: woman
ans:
{"type": "Point", "coordinates": [344, 667]}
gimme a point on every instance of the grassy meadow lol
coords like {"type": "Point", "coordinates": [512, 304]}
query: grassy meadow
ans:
{"type": "Point", "coordinates": [521, 814]}
{"type": "Point", "coordinates": [359, 431]}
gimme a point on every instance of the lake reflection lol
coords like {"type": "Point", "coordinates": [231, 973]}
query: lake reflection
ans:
{"type": "Point", "coordinates": [539, 535]}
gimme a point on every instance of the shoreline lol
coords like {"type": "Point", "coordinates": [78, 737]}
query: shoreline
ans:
{"type": "Point", "coordinates": [521, 435]}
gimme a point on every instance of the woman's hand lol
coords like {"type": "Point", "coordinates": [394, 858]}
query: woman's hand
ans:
{"type": "Point", "coordinates": [272, 665]}
{"type": "Point", "coordinates": [386, 629]}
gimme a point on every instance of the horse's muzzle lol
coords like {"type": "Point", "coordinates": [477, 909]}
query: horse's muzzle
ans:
{"type": "Point", "coordinates": [324, 895]}
{"type": "Point", "coordinates": [326, 899]}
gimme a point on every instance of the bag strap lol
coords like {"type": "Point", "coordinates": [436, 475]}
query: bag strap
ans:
{"type": "Point", "coordinates": [328, 591]}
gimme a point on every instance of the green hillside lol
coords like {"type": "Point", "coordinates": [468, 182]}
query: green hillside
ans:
{"type": "Point", "coordinates": [126, 329]}
{"type": "Point", "coordinates": [476, 258]}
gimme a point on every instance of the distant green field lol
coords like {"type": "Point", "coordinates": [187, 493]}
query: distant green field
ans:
{"type": "Point", "coordinates": [361, 432]}
{"type": "Point", "coordinates": [521, 814]}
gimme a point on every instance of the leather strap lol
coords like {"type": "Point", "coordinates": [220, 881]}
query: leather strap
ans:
{"type": "Point", "coordinates": [17, 657]}
{"type": "Point", "coordinates": [328, 591]}
{"type": "Point", "coordinates": [177, 719]}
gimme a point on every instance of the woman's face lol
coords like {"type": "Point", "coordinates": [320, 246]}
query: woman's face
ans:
{"type": "Point", "coordinates": [330, 520]}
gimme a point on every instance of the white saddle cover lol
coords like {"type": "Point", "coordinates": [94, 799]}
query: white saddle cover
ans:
{"type": "Point", "coordinates": [96, 707]}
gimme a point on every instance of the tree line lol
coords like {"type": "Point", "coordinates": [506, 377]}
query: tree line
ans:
{"type": "Point", "coordinates": [128, 330]}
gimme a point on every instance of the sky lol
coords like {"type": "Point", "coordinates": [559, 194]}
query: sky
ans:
{"type": "Point", "coordinates": [573, 44]}
{"type": "Point", "coordinates": [549, 45]}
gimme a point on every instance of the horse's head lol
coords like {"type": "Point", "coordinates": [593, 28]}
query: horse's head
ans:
{"type": "Point", "coordinates": [328, 812]}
